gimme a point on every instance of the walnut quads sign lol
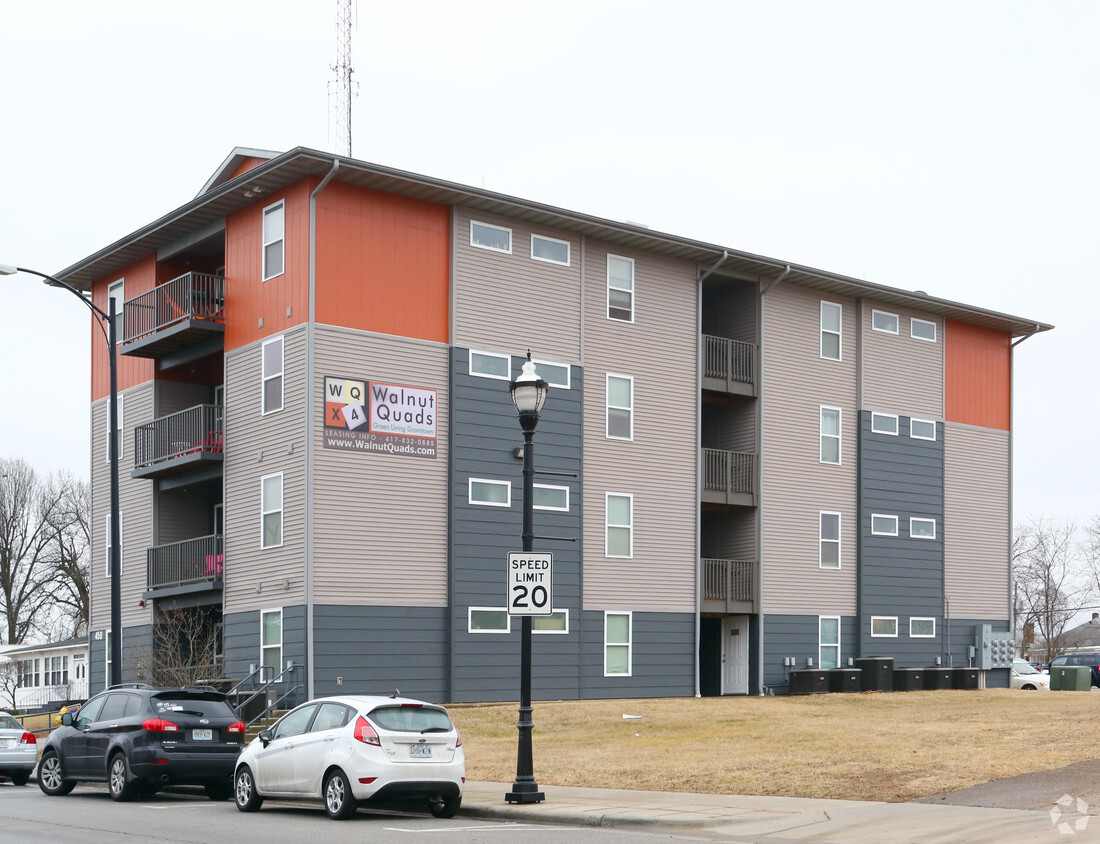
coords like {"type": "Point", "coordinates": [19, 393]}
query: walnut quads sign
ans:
{"type": "Point", "coordinates": [530, 583]}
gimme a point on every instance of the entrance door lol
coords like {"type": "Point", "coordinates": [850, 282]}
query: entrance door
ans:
{"type": "Point", "coordinates": [735, 655]}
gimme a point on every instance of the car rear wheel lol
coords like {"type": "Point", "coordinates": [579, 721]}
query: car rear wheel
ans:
{"type": "Point", "coordinates": [445, 807]}
{"type": "Point", "coordinates": [119, 783]}
{"type": "Point", "coordinates": [50, 779]}
{"type": "Point", "coordinates": [244, 790]}
{"type": "Point", "coordinates": [20, 777]}
{"type": "Point", "coordinates": [339, 802]}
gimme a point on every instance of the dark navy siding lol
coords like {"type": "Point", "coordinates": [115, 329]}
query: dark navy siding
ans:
{"type": "Point", "coordinates": [797, 636]}
{"type": "Point", "coordinates": [900, 576]}
{"type": "Point", "coordinates": [663, 657]}
{"type": "Point", "coordinates": [241, 639]}
{"type": "Point", "coordinates": [484, 435]}
{"type": "Point", "coordinates": [137, 647]}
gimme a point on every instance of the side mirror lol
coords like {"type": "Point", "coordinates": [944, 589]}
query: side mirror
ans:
{"type": "Point", "coordinates": [67, 719]}
{"type": "Point", "coordinates": [264, 736]}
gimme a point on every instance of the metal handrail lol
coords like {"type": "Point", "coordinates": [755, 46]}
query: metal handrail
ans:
{"type": "Point", "coordinates": [728, 471]}
{"type": "Point", "coordinates": [196, 560]}
{"type": "Point", "coordinates": [189, 296]}
{"type": "Point", "coordinates": [196, 429]}
{"type": "Point", "coordinates": [293, 685]}
{"type": "Point", "coordinates": [728, 580]}
{"type": "Point", "coordinates": [729, 360]}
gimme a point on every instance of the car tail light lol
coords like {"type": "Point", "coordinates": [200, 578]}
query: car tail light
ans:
{"type": "Point", "coordinates": [365, 733]}
{"type": "Point", "coordinates": [411, 705]}
{"type": "Point", "coordinates": [367, 780]}
{"type": "Point", "coordinates": [159, 725]}
{"type": "Point", "coordinates": [236, 728]}
{"type": "Point", "coordinates": [28, 738]}
{"type": "Point", "coordinates": [458, 738]}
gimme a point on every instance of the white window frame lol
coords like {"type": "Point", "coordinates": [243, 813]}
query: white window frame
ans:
{"type": "Point", "coordinates": [281, 240]}
{"type": "Point", "coordinates": [877, 313]}
{"type": "Point", "coordinates": [556, 384]}
{"type": "Point", "coordinates": [491, 248]}
{"type": "Point", "coordinates": [607, 525]}
{"type": "Point", "coordinates": [609, 407]}
{"type": "Point", "coordinates": [266, 647]}
{"type": "Point", "coordinates": [564, 614]}
{"type": "Point", "coordinates": [120, 302]}
{"type": "Point", "coordinates": [822, 645]}
{"type": "Point", "coordinates": [916, 519]}
{"type": "Point", "coordinates": [565, 243]}
{"type": "Point", "coordinates": [892, 618]}
{"type": "Point", "coordinates": [629, 644]}
{"type": "Point", "coordinates": [632, 291]}
{"type": "Point", "coordinates": [496, 356]}
{"type": "Point", "coordinates": [266, 376]}
{"type": "Point", "coordinates": [121, 543]}
{"type": "Point", "coordinates": [839, 332]}
{"type": "Point", "coordinates": [913, 321]}
{"type": "Point", "coordinates": [821, 540]}
{"type": "Point", "coordinates": [875, 416]}
{"type": "Point", "coordinates": [281, 510]}
{"type": "Point", "coordinates": [931, 422]}
{"type": "Point", "coordinates": [894, 519]}
{"type": "Point", "coordinates": [107, 660]}
{"type": "Point", "coordinates": [838, 436]}
{"type": "Point", "coordinates": [489, 482]}
{"type": "Point", "coordinates": [121, 439]}
{"type": "Point", "coordinates": [489, 631]}
{"type": "Point", "coordinates": [565, 489]}
{"type": "Point", "coordinates": [913, 635]}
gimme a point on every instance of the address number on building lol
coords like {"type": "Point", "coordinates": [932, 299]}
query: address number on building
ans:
{"type": "Point", "coordinates": [530, 583]}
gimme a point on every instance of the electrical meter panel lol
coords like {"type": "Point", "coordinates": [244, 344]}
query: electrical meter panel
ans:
{"type": "Point", "coordinates": [993, 650]}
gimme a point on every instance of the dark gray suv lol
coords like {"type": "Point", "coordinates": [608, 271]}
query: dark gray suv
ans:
{"type": "Point", "coordinates": [138, 739]}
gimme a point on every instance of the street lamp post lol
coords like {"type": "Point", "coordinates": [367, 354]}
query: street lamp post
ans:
{"type": "Point", "coordinates": [528, 395]}
{"type": "Point", "coordinates": [106, 318]}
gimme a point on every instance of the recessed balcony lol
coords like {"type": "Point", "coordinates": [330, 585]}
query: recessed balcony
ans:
{"type": "Point", "coordinates": [193, 565]}
{"type": "Point", "coordinates": [729, 477]}
{"type": "Point", "coordinates": [178, 321]}
{"type": "Point", "coordinates": [183, 441]}
{"type": "Point", "coordinates": [729, 366]}
{"type": "Point", "coordinates": [729, 586]}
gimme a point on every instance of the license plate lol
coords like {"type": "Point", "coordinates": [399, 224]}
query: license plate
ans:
{"type": "Point", "coordinates": [7, 742]}
{"type": "Point", "coordinates": [420, 751]}
{"type": "Point", "coordinates": [202, 735]}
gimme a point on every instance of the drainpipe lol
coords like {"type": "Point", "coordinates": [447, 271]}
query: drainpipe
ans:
{"type": "Point", "coordinates": [786, 272]}
{"type": "Point", "coordinates": [311, 393]}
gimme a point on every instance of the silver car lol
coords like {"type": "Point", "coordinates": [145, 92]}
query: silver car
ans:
{"type": "Point", "coordinates": [18, 750]}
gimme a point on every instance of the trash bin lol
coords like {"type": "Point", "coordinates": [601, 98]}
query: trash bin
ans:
{"type": "Point", "coordinates": [964, 678]}
{"type": "Point", "coordinates": [908, 679]}
{"type": "Point", "coordinates": [876, 673]}
{"type": "Point", "coordinates": [844, 679]}
{"type": "Point", "coordinates": [809, 681]}
{"type": "Point", "coordinates": [1071, 678]}
{"type": "Point", "coordinates": [937, 677]}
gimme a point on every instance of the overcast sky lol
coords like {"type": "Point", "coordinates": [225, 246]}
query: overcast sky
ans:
{"type": "Point", "coordinates": [943, 146]}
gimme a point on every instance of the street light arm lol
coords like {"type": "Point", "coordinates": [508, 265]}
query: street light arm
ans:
{"type": "Point", "coordinates": [7, 269]}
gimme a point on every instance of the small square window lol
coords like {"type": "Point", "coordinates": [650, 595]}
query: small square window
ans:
{"type": "Point", "coordinates": [922, 528]}
{"type": "Point", "coordinates": [554, 374]}
{"type": "Point", "coordinates": [884, 525]}
{"type": "Point", "coordinates": [884, 423]}
{"type": "Point", "coordinates": [883, 321]}
{"type": "Point", "coordinates": [488, 365]}
{"type": "Point", "coordinates": [550, 249]}
{"type": "Point", "coordinates": [922, 628]}
{"type": "Point", "coordinates": [489, 620]}
{"type": "Point", "coordinates": [551, 497]}
{"type": "Point", "coordinates": [490, 493]}
{"type": "Point", "coordinates": [922, 329]}
{"type": "Point", "coordinates": [884, 625]}
{"type": "Point", "coordinates": [487, 236]}
{"type": "Point", "coordinates": [831, 314]}
{"type": "Point", "coordinates": [922, 429]}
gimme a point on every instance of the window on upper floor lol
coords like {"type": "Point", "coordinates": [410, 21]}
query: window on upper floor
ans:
{"type": "Point", "coordinates": [490, 493]}
{"type": "Point", "coordinates": [620, 288]}
{"type": "Point", "coordinates": [831, 321]}
{"type": "Point", "coordinates": [884, 423]}
{"type": "Point", "coordinates": [554, 374]}
{"type": "Point", "coordinates": [550, 249]}
{"type": "Point", "coordinates": [620, 407]}
{"type": "Point", "coordinates": [883, 321]}
{"type": "Point", "coordinates": [619, 525]}
{"type": "Point", "coordinates": [548, 497]}
{"type": "Point", "coordinates": [107, 544]}
{"type": "Point", "coordinates": [119, 439]}
{"type": "Point", "coordinates": [490, 365]}
{"type": "Point", "coordinates": [884, 625]}
{"type": "Point", "coordinates": [616, 642]}
{"type": "Point", "coordinates": [922, 429]}
{"type": "Point", "coordinates": [116, 293]}
{"type": "Point", "coordinates": [830, 435]}
{"type": "Point", "coordinates": [922, 528]}
{"type": "Point", "coordinates": [274, 236]}
{"type": "Point", "coordinates": [828, 636]}
{"type": "Point", "coordinates": [884, 525]}
{"type": "Point", "coordinates": [272, 376]}
{"type": "Point", "coordinates": [488, 236]}
{"type": "Point", "coordinates": [271, 510]}
{"type": "Point", "coordinates": [922, 329]}
{"type": "Point", "coordinates": [828, 540]}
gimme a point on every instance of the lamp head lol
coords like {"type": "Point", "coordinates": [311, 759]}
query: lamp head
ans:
{"type": "Point", "coordinates": [528, 390]}
{"type": "Point", "coordinates": [8, 269]}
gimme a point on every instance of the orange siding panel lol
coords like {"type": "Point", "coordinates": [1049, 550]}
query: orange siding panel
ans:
{"type": "Point", "coordinates": [978, 377]}
{"type": "Point", "coordinates": [246, 165]}
{"type": "Point", "coordinates": [140, 278]}
{"type": "Point", "coordinates": [383, 263]}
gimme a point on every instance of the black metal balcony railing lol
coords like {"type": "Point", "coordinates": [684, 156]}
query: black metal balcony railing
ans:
{"type": "Point", "coordinates": [729, 472]}
{"type": "Point", "coordinates": [731, 361]}
{"type": "Point", "coordinates": [728, 580]}
{"type": "Point", "coordinates": [185, 563]}
{"type": "Point", "coordinates": [190, 296]}
{"type": "Point", "coordinates": [194, 431]}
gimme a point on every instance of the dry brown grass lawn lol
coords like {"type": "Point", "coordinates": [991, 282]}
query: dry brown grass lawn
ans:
{"type": "Point", "coordinates": [872, 746]}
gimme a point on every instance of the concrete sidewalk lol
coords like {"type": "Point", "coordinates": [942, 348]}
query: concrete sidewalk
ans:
{"type": "Point", "coordinates": [774, 819]}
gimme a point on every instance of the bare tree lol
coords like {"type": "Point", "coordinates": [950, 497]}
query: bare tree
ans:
{"type": "Point", "coordinates": [1049, 587]}
{"type": "Point", "coordinates": [67, 555]}
{"type": "Point", "coordinates": [185, 651]}
{"type": "Point", "coordinates": [11, 670]}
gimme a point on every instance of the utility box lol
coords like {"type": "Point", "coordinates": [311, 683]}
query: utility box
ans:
{"type": "Point", "coordinates": [993, 650]}
{"type": "Point", "coordinates": [1070, 678]}
{"type": "Point", "coordinates": [908, 679]}
{"type": "Point", "coordinates": [809, 681]}
{"type": "Point", "coordinates": [876, 673]}
{"type": "Point", "coordinates": [844, 679]}
{"type": "Point", "coordinates": [964, 678]}
{"type": "Point", "coordinates": [938, 677]}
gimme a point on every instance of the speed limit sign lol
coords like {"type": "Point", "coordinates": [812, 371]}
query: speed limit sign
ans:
{"type": "Point", "coordinates": [530, 583]}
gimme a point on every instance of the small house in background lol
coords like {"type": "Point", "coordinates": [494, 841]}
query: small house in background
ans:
{"type": "Point", "coordinates": [50, 675]}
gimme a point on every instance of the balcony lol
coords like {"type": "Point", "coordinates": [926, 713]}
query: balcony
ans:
{"type": "Point", "coordinates": [178, 321]}
{"type": "Point", "coordinates": [185, 441]}
{"type": "Point", "coordinates": [729, 477]}
{"type": "Point", "coordinates": [729, 366]}
{"type": "Point", "coordinates": [729, 586]}
{"type": "Point", "coordinates": [193, 565]}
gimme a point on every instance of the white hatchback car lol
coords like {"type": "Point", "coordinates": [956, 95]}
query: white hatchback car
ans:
{"type": "Point", "coordinates": [354, 749]}
{"type": "Point", "coordinates": [1026, 676]}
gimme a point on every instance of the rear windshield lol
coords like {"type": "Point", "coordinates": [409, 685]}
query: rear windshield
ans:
{"type": "Point", "coordinates": [205, 706]}
{"type": "Point", "coordinates": [411, 719]}
{"type": "Point", "coordinates": [9, 723]}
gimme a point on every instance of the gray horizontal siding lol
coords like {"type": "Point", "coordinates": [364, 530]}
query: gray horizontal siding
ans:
{"type": "Point", "coordinates": [798, 636]}
{"type": "Point", "coordinates": [241, 639]}
{"type": "Point", "coordinates": [663, 657]}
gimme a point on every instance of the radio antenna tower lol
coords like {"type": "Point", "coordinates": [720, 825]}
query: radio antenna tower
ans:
{"type": "Point", "coordinates": [343, 85]}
